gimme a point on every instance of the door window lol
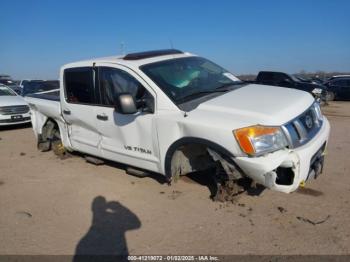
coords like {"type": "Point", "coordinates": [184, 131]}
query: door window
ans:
{"type": "Point", "coordinates": [79, 85]}
{"type": "Point", "coordinates": [114, 81]}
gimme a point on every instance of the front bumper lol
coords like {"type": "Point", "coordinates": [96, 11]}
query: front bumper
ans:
{"type": "Point", "coordinates": [295, 164]}
{"type": "Point", "coordinates": [6, 120]}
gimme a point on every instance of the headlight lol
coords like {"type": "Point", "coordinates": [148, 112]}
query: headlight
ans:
{"type": "Point", "coordinates": [317, 91]}
{"type": "Point", "coordinates": [256, 140]}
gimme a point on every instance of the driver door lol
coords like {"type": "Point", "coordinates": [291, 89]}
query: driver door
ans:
{"type": "Point", "coordinates": [126, 138]}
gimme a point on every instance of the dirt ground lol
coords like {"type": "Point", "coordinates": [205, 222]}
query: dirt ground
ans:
{"type": "Point", "coordinates": [53, 206]}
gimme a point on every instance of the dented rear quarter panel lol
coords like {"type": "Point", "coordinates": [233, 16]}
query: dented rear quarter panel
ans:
{"type": "Point", "coordinates": [41, 111]}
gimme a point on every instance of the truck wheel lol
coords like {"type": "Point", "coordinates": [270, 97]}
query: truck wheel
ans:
{"type": "Point", "coordinates": [43, 145]}
{"type": "Point", "coordinates": [45, 138]}
{"type": "Point", "coordinates": [51, 139]}
{"type": "Point", "coordinates": [58, 147]}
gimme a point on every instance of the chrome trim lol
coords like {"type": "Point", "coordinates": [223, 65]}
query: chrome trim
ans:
{"type": "Point", "coordinates": [288, 136]}
{"type": "Point", "coordinates": [316, 120]}
{"type": "Point", "coordinates": [13, 110]}
{"type": "Point", "coordinates": [296, 130]}
{"type": "Point", "coordinates": [300, 129]}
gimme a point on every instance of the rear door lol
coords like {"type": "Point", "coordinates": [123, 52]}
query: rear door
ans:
{"type": "Point", "coordinates": [126, 138]}
{"type": "Point", "coordinates": [78, 108]}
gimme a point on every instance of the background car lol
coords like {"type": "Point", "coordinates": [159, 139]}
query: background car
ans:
{"type": "Point", "coordinates": [339, 87]}
{"type": "Point", "coordinates": [5, 77]}
{"type": "Point", "coordinates": [25, 81]}
{"type": "Point", "coordinates": [13, 108]}
{"type": "Point", "coordinates": [8, 81]}
{"type": "Point", "coordinates": [303, 79]}
{"type": "Point", "coordinates": [37, 86]}
{"type": "Point", "coordinates": [290, 81]}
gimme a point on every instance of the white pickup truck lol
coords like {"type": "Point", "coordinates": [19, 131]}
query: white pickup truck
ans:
{"type": "Point", "coordinates": [173, 113]}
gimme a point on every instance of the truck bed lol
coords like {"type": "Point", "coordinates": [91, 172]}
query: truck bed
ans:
{"type": "Point", "coordinates": [53, 95]}
{"type": "Point", "coordinates": [44, 106]}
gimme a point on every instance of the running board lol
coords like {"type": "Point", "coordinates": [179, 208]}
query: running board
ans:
{"type": "Point", "coordinates": [94, 160]}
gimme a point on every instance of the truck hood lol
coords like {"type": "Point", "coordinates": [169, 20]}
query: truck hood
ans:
{"type": "Point", "coordinates": [12, 101]}
{"type": "Point", "coordinates": [258, 104]}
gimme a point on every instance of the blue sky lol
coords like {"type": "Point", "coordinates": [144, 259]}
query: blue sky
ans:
{"type": "Point", "coordinates": [37, 37]}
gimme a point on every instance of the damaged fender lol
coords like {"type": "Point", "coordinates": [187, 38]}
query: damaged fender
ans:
{"type": "Point", "coordinates": [192, 157]}
{"type": "Point", "coordinates": [279, 171]}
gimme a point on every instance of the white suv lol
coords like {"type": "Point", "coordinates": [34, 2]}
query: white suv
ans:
{"type": "Point", "coordinates": [13, 108]}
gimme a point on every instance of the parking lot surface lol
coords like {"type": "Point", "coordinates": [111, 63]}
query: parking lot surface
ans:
{"type": "Point", "coordinates": [54, 206]}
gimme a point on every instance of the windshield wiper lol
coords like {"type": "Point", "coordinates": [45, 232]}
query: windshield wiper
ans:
{"type": "Point", "coordinates": [223, 88]}
{"type": "Point", "coordinates": [199, 94]}
{"type": "Point", "coordinates": [229, 85]}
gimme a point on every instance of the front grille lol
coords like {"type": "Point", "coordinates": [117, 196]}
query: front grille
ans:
{"type": "Point", "coordinates": [23, 119]}
{"type": "Point", "coordinates": [303, 128]}
{"type": "Point", "coordinates": [14, 110]}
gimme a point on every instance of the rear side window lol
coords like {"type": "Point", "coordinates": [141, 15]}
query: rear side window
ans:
{"type": "Point", "coordinates": [79, 85]}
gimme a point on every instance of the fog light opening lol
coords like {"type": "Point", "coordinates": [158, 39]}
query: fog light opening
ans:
{"type": "Point", "coordinates": [285, 176]}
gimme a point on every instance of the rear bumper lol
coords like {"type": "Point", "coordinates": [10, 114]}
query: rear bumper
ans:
{"type": "Point", "coordinates": [6, 120]}
{"type": "Point", "coordinates": [284, 170]}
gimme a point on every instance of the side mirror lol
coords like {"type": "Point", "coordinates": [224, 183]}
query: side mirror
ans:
{"type": "Point", "coordinates": [125, 104]}
{"type": "Point", "coordinates": [147, 104]}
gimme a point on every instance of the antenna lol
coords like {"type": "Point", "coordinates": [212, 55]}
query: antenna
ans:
{"type": "Point", "coordinates": [122, 48]}
{"type": "Point", "coordinates": [171, 43]}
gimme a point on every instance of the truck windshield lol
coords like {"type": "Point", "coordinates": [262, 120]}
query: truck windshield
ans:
{"type": "Point", "coordinates": [4, 91]}
{"type": "Point", "coordinates": [186, 78]}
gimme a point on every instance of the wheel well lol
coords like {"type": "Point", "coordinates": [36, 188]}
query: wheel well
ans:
{"type": "Point", "coordinates": [49, 127]}
{"type": "Point", "coordinates": [194, 154]}
{"type": "Point", "coordinates": [50, 132]}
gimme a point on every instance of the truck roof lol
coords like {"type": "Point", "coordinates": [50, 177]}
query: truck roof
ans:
{"type": "Point", "coordinates": [149, 54]}
{"type": "Point", "coordinates": [135, 59]}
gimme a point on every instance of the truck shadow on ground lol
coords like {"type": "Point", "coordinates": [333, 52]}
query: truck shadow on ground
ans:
{"type": "Point", "coordinates": [106, 236]}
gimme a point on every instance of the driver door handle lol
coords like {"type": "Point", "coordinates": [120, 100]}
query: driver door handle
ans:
{"type": "Point", "coordinates": [66, 112]}
{"type": "Point", "coordinates": [102, 117]}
